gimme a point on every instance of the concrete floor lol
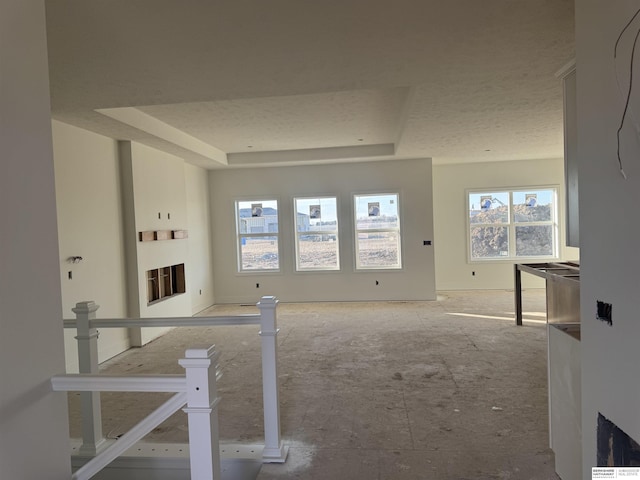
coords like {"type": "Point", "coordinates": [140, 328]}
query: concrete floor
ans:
{"type": "Point", "coordinates": [449, 389]}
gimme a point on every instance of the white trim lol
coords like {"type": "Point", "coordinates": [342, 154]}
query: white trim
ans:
{"type": "Point", "coordinates": [246, 319]}
{"type": "Point", "coordinates": [511, 225]}
{"type": "Point", "coordinates": [356, 231]}
{"type": "Point", "coordinates": [566, 69]}
{"type": "Point", "coordinates": [335, 233]}
{"type": "Point", "coordinates": [130, 438]}
{"type": "Point", "coordinates": [240, 235]}
{"type": "Point", "coordinates": [114, 383]}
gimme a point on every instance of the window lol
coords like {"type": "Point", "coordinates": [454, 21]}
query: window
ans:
{"type": "Point", "coordinates": [513, 224]}
{"type": "Point", "coordinates": [257, 227]}
{"type": "Point", "coordinates": [377, 231]}
{"type": "Point", "coordinates": [316, 234]}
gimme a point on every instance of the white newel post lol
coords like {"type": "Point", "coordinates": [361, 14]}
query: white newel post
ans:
{"type": "Point", "coordinates": [274, 449]}
{"type": "Point", "coordinates": [92, 438]}
{"type": "Point", "coordinates": [201, 366]}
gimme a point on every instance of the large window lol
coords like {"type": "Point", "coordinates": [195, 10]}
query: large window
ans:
{"type": "Point", "coordinates": [377, 232]}
{"type": "Point", "coordinates": [513, 224]}
{"type": "Point", "coordinates": [257, 233]}
{"type": "Point", "coordinates": [316, 234]}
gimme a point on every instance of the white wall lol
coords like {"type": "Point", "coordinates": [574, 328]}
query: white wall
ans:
{"type": "Point", "coordinates": [450, 182]}
{"type": "Point", "coordinates": [411, 178]}
{"type": "Point", "coordinates": [90, 225]}
{"type": "Point", "coordinates": [609, 231]}
{"type": "Point", "coordinates": [157, 202]}
{"type": "Point", "coordinates": [200, 279]}
{"type": "Point", "coordinates": [33, 420]}
{"type": "Point", "coordinates": [93, 208]}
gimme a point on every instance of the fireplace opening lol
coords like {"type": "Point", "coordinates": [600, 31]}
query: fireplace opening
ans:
{"type": "Point", "coordinates": [615, 447]}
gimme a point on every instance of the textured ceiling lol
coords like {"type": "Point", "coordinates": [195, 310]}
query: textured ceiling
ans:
{"type": "Point", "coordinates": [292, 122]}
{"type": "Point", "coordinates": [246, 83]}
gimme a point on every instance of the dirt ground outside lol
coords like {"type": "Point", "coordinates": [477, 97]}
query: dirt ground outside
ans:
{"type": "Point", "coordinates": [375, 250]}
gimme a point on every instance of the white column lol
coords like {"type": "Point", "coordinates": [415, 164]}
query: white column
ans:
{"type": "Point", "coordinates": [92, 438]}
{"type": "Point", "coordinates": [274, 449]}
{"type": "Point", "coordinates": [201, 365]}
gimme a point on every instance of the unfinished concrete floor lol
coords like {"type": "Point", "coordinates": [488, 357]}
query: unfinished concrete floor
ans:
{"type": "Point", "coordinates": [449, 389]}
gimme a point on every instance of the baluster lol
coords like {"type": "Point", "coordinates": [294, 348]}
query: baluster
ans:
{"type": "Point", "coordinates": [92, 439]}
{"type": "Point", "coordinates": [274, 449]}
{"type": "Point", "coordinates": [201, 365]}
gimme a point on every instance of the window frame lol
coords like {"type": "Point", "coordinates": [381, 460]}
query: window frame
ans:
{"type": "Point", "coordinates": [239, 235]}
{"type": "Point", "coordinates": [511, 225]}
{"type": "Point", "coordinates": [297, 234]}
{"type": "Point", "coordinates": [397, 230]}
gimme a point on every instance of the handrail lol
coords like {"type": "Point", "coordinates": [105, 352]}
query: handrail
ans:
{"type": "Point", "coordinates": [114, 383]}
{"type": "Point", "coordinates": [130, 438]}
{"type": "Point", "coordinates": [247, 319]}
{"type": "Point", "coordinates": [86, 323]}
{"type": "Point", "coordinates": [196, 389]}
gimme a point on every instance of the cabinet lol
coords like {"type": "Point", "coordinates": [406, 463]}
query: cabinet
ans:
{"type": "Point", "coordinates": [565, 399]}
{"type": "Point", "coordinates": [564, 361]}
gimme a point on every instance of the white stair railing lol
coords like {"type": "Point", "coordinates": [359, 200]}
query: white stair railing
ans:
{"type": "Point", "coordinates": [275, 451]}
{"type": "Point", "coordinates": [93, 440]}
{"type": "Point", "coordinates": [197, 389]}
{"type": "Point", "coordinates": [202, 409]}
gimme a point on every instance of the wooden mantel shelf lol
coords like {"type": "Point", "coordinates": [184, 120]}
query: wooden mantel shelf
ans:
{"type": "Point", "coordinates": [153, 235]}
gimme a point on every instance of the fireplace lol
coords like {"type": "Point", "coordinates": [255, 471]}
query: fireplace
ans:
{"type": "Point", "coordinates": [615, 447]}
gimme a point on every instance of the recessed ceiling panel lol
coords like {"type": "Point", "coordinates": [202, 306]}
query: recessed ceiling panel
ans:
{"type": "Point", "coordinates": [458, 81]}
{"type": "Point", "coordinates": [294, 122]}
